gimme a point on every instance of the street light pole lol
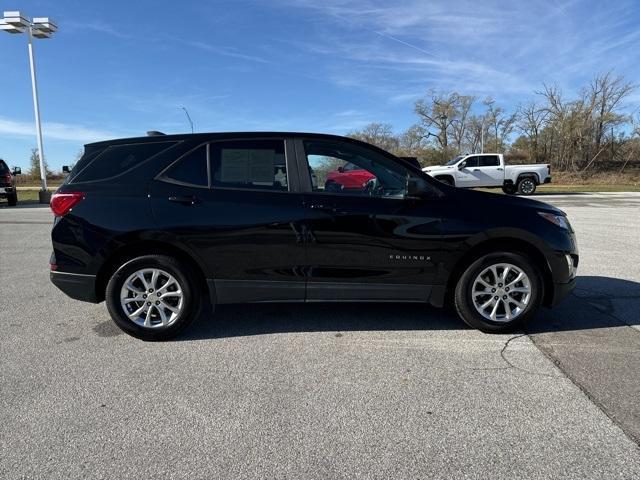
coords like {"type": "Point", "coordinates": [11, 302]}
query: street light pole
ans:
{"type": "Point", "coordinates": [36, 109]}
{"type": "Point", "coordinates": [41, 27]}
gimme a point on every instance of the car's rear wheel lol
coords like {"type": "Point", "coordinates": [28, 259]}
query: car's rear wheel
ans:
{"type": "Point", "coordinates": [499, 292]}
{"type": "Point", "coordinates": [153, 297]}
{"type": "Point", "coordinates": [527, 186]}
{"type": "Point", "coordinates": [12, 199]}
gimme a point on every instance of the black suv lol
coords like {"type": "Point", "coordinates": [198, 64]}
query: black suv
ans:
{"type": "Point", "coordinates": [153, 224]}
{"type": "Point", "coordinates": [8, 183]}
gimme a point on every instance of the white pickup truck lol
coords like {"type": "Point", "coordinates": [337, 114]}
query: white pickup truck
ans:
{"type": "Point", "coordinates": [488, 170]}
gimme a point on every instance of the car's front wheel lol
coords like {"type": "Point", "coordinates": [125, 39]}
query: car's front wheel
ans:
{"type": "Point", "coordinates": [499, 292]}
{"type": "Point", "coordinates": [153, 297]}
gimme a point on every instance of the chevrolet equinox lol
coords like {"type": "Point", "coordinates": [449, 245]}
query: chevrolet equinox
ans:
{"type": "Point", "coordinates": [153, 225]}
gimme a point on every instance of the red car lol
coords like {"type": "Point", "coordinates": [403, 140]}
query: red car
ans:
{"type": "Point", "coordinates": [348, 177]}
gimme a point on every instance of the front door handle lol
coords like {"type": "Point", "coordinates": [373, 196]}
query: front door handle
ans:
{"type": "Point", "coordinates": [500, 168]}
{"type": "Point", "coordinates": [476, 169]}
{"type": "Point", "coordinates": [184, 199]}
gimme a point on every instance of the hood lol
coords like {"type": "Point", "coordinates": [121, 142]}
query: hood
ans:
{"type": "Point", "coordinates": [499, 201]}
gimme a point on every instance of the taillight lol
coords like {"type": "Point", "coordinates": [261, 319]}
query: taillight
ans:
{"type": "Point", "coordinates": [62, 203]}
{"type": "Point", "coordinates": [7, 178]}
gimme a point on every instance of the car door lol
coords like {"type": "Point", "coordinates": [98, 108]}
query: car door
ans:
{"type": "Point", "coordinates": [465, 175]}
{"type": "Point", "coordinates": [366, 243]}
{"type": "Point", "coordinates": [233, 205]}
{"type": "Point", "coordinates": [489, 172]}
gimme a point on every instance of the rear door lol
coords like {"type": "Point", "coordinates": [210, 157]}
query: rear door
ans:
{"type": "Point", "coordinates": [234, 206]}
{"type": "Point", "coordinates": [369, 242]}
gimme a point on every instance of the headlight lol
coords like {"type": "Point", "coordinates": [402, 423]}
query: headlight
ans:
{"type": "Point", "coordinates": [558, 220]}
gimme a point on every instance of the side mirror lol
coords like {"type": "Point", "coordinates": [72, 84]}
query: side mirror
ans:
{"type": "Point", "coordinates": [65, 169]}
{"type": "Point", "coordinates": [461, 165]}
{"type": "Point", "coordinates": [341, 169]}
{"type": "Point", "coordinates": [416, 187]}
{"type": "Point", "coordinates": [17, 171]}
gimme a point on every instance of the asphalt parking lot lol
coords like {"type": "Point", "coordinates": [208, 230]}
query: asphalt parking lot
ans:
{"type": "Point", "coordinates": [326, 391]}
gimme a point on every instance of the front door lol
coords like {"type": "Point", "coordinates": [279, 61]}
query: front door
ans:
{"type": "Point", "coordinates": [231, 205]}
{"type": "Point", "coordinates": [481, 171]}
{"type": "Point", "coordinates": [365, 241]}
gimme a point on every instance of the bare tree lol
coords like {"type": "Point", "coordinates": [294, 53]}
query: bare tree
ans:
{"type": "Point", "coordinates": [379, 134]}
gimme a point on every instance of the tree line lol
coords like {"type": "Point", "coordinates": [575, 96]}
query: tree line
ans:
{"type": "Point", "coordinates": [593, 131]}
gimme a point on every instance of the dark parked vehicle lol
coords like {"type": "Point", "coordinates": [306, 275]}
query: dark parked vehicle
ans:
{"type": "Point", "coordinates": [154, 224]}
{"type": "Point", "coordinates": [8, 183]}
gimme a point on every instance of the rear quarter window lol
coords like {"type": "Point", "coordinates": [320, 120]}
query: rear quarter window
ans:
{"type": "Point", "coordinates": [117, 159]}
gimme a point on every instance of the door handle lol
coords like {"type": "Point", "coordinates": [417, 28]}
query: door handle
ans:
{"type": "Point", "coordinates": [476, 169]}
{"type": "Point", "coordinates": [184, 199]}
{"type": "Point", "coordinates": [500, 168]}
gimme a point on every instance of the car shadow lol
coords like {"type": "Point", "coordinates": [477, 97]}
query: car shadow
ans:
{"type": "Point", "coordinates": [267, 318]}
{"type": "Point", "coordinates": [598, 302]}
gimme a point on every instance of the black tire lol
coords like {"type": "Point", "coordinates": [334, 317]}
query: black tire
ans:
{"type": "Point", "coordinates": [527, 186]}
{"type": "Point", "coordinates": [13, 199]}
{"type": "Point", "coordinates": [191, 291]}
{"type": "Point", "coordinates": [446, 180]}
{"type": "Point", "coordinates": [463, 297]}
{"type": "Point", "coordinates": [332, 187]}
{"type": "Point", "coordinates": [509, 189]}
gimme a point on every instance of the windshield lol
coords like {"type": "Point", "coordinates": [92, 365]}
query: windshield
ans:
{"type": "Point", "coordinates": [455, 160]}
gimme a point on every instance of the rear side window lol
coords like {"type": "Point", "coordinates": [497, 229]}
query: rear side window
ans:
{"type": "Point", "coordinates": [117, 159]}
{"type": "Point", "coordinates": [254, 164]}
{"type": "Point", "coordinates": [489, 161]}
{"type": "Point", "coordinates": [190, 169]}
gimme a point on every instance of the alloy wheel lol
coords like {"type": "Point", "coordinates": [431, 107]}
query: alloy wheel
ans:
{"type": "Point", "coordinates": [152, 298]}
{"type": "Point", "coordinates": [501, 292]}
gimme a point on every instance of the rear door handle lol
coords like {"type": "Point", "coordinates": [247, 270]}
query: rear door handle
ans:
{"type": "Point", "coordinates": [184, 199]}
{"type": "Point", "coordinates": [476, 169]}
{"type": "Point", "coordinates": [499, 168]}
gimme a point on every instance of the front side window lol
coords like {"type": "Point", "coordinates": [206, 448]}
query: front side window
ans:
{"type": "Point", "coordinates": [471, 162]}
{"type": "Point", "coordinates": [254, 164]}
{"type": "Point", "coordinates": [352, 170]}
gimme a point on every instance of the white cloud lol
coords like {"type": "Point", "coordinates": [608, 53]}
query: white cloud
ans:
{"type": "Point", "coordinates": [54, 130]}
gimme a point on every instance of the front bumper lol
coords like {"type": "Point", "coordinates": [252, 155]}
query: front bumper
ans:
{"type": "Point", "coordinates": [5, 191]}
{"type": "Point", "coordinates": [561, 291]}
{"type": "Point", "coordinates": [77, 286]}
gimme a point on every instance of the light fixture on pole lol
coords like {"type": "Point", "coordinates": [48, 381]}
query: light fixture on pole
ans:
{"type": "Point", "coordinates": [40, 27]}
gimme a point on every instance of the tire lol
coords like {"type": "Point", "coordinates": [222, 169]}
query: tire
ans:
{"type": "Point", "coordinates": [161, 324]}
{"type": "Point", "coordinates": [446, 180]}
{"type": "Point", "coordinates": [332, 187]}
{"type": "Point", "coordinates": [509, 189]}
{"type": "Point", "coordinates": [526, 186]}
{"type": "Point", "coordinates": [12, 200]}
{"type": "Point", "coordinates": [468, 285]}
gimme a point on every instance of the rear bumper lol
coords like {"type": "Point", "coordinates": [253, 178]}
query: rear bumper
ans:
{"type": "Point", "coordinates": [77, 286]}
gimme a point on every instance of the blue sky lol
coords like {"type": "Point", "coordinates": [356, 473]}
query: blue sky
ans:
{"type": "Point", "coordinates": [121, 68]}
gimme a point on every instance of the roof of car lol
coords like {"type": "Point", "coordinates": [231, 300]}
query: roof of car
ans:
{"type": "Point", "coordinates": [216, 135]}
